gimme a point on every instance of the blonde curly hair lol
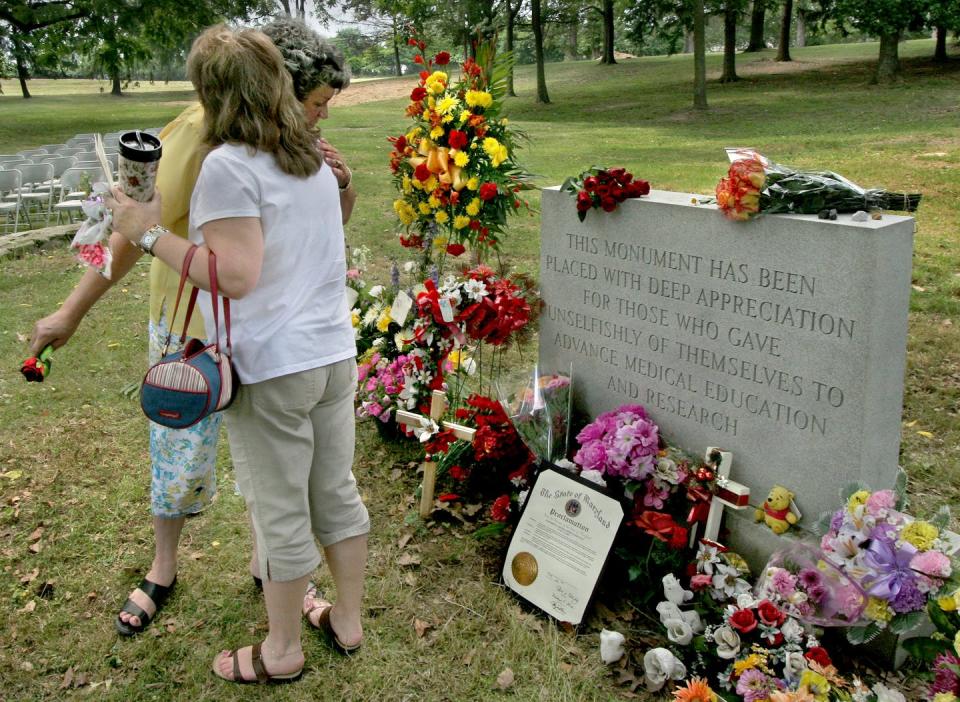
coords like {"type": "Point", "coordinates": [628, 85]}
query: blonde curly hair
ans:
{"type": "Point", "coordinates": [311, 60]}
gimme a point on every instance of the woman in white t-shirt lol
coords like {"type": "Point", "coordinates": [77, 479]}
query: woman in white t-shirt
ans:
{"type": "Point", "coordinates": [269, 207]}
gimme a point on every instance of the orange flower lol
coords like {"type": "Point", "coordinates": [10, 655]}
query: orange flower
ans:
{"type": "Point", "coordinates": [696, 690]}
{"type": "Point", "coordinates": [748, 172]}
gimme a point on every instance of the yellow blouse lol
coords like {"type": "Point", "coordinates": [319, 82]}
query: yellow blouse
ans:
{"type": "Point", "coordinates": [183, 153]}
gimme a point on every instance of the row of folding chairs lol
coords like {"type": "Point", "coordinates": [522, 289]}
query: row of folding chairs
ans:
{"type": "Point", "coordinates": [32, 189]}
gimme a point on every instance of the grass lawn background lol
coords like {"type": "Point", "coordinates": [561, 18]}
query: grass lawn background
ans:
{"type": "Point", "coordinates": [73, 451]}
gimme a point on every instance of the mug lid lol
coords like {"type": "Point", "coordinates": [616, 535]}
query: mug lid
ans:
{"type": "Point", "coordinates": [140, 146]}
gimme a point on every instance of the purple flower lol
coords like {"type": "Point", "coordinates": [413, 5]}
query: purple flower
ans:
{"type": "Point", "coordinates": [810, 577]}
{"type": "Point", "coordinates": [784, 582]}
{"type": "Point", "coordinates": [909, 598]}
{"type": "Point", "coordinates": [816, 593]}
{"type": "Point", "coordinates": [754, 686]}
{"type": "Point", "coordinates": [946, 679]}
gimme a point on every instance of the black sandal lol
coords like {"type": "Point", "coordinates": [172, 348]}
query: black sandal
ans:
{"type": "Point", "coordinates": [157, 593]}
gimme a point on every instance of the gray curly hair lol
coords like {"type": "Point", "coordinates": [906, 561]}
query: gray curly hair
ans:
{"type": "Point", "coordinates": [311, 60]}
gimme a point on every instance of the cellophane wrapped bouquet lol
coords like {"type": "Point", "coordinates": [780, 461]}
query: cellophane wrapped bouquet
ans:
{"type": "Point", "coordinates": [540, 412]}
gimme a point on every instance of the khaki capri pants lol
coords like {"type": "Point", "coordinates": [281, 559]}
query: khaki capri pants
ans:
{"type": "Point", "coordinates": [292, 441]}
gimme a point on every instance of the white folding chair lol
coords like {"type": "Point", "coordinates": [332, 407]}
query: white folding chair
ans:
{"type": "Point", "coordinates": [35, 176]}
{"type": "Point", "coordinates": [71, 196]}
{"type": "Point", "coordinates": [88, 155]}
{"type": "Point", "coordinates": [69, 151]}
{"type": "Point", "coordinates": [10, 183]}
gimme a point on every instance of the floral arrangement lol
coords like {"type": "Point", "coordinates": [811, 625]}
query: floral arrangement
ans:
{"type": "Point", "coordinates": [755, 184]}
{"type": "Point", "coordinates": [455, 168]}
{"type": "Point", "coordinates": [603, 188]}
{"type": "Point", "coordinates": [380, 382]}
{"type": "Point", "coordinates": [622, 443]}
{"type": "Point", "coordinates": [899, 562]}
{"type": "Point", "coordinates": [726, 641]}
{"type": "Point", "coordinates": [540, 412]}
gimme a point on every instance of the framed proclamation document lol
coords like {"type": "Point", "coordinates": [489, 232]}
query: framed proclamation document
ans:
{"type": "Point", "coordinates": [561, 544]}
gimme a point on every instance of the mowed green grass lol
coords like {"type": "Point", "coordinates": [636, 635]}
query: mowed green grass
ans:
{"type": "Point", "coordinates": [73, 451]}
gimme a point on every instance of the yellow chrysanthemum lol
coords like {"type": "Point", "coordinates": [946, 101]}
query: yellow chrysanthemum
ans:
{"type": "Point", "coordinates": [424, 208]}
{"type": "Point", "coordinates": [495, 150]}
{"type": "Point", "coordinates": [436, 83]}
{"type": "Point", "coordinates": [857, 499]}
{"type": "Point", "coordinates": [473, 209]}
{"type": "Point", "coordinates": [461, 159]}
{"type": "Point", "coordinates": [436, 132]}
{"type": "Point", "coordinates": [460, 221]}
{"type": "Point", "coordinates": [750, 662]}
{"type": "Point", "coordinates": [383, 321]}
{"type": "Point", "coordinates": [407, 185]}
{"type": "Point", "coordinates": [447, 104]}
{"type": "Point", "coordinates": [431, 184]}
{"type": "Point", "coordinates": [440, 242]}
{"type": "Point", "coordinates": [878, 610]}
{"type": "Point", "coordinates": [465, 115]}
{"type": "Point", "coordinates": [354, 318]}
{"type": "Point", "coordinates": [473, 183]}
{"type": "Point", "coordinates": [431, 102]}
{"type": "Point", "coordinates": [921, 534]}
{"type": "Point", "coordinates": [404, 211]}
{"type": "Point", "coordinates": [434, 202]}
{"type": "Point", "coordinates": [441, 217]}
{"type": "Point", "coordinates": [413, 134]}
{"type": "Point", "coordinates": [479, 98]}
{"type": "Point", "coordinates": [950, 603]}
{"type": "Point", "coordinates": [944, 697]}
{"type": "Point", "coordinates": [446, 119]}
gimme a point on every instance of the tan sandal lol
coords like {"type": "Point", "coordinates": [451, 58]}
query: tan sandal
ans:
{"type": "Point", "coordinates": [324, 625]}
{"type": "Point", "coordinates": [256, 660]}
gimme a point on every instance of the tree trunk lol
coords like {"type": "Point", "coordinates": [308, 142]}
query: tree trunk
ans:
{"type": "Point", "coordinates": [940, 53]}
{"type": "Point", "coordinates": [757, 18]}
{"type": "Point", "coordinates": [783, 50]}
{"type": "Point", "coordinates": [801, 27]}
{"type": "Point", "coordinates": [570, 48]}
{"type": "Point", "coordinates": [688, 42]}
{"type": "Point", "coordinates": [888, 65]}
{"type": "Point", "coordinates": [285, 4]}
{"type": "Point", "coordinates": [729, 44]}
{"type": "Point", "coordinates": [397, 66]}
{"type": "Point", "coordinates": [699, 56]}
{"type": "Point", "coordinates": [22, 74]}
{"type": "Point", "coordinates": [511, 19]}
{"type": "Point", "coordinates": [608, 33]}
{"type": "Point", "coordinates": [542, 96]}
{"type": "Point", "coordinates": [115, 77]}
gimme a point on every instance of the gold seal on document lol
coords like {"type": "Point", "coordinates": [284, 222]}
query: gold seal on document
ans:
{"type": "Point", "coordinates": [524, 568]}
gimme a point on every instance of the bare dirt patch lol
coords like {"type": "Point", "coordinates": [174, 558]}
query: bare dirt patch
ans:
{"type": "Point", "coordinates": [373, 90]}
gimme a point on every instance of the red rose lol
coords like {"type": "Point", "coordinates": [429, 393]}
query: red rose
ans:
{"type": "Point", "coordinates": [608, 204]}
{"type": "Point", "coordinates": [819, 655]}
{"type": "Point", "coordinates": [422, 173]}
{"type": "Point", "coordinates": [743, 620]}
{"type": "Point", "coordinates": [442, 58]}
{"type": "Point", "coordinates": [769, 614]}
{"type": "Point", "coordinates": [455, 249]}
{"type": "Point", "coordinates": [418, 59]}
{"type": "Point", "coordinates": [488, 191]}
{"type": "Point", "coordinates": [418, 93]}
{"type": "Point", "coordinates": [658, 524]}
{"type": "Point", "coordinates": [641, 187]}
{"type": "Point", "coordinates": [590, 184]}
{"type": "Point", "coordinates": [456, 139]}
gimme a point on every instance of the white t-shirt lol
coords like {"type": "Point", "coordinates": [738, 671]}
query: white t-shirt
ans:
{"type": "Point", "coordinates": [296, 318]}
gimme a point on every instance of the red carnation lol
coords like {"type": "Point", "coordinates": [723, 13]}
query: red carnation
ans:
{"type": "Point", "coordinates": [422, 173]}
{"type": "Point", "coordinates": [456, 139]}
{"type": "Point", "coordinates": [474, 224]}
{"type": "Point", "coordinates": [678, 539]}
{"type": "Point", "coordinates": [424, 75]}
{"type": "Point", "coordinates": [411, 42]}
{"type": "Point", "coordinates": [819, 655]}
{"type": "Point", "coordinates": [442, 58]}
{"type": "Point", "coordinates": [488, 191]}
{"type": "Point", "coordinates": [418, 93]}
{"type": "Point", "coordinates": [459, 472]}
{"type": "Point", "coordinates": [743, 620]}
{"type": "Point", "coordinates": [448, 497]}
{"type": "Point", "coordinates": [455, 249]}
{"type": "Point", "coordinates": [500, 510]}
{"type": "Point", "coordinates": [769, 614]}
{"type": "Point", "coordinates": [418, 59]}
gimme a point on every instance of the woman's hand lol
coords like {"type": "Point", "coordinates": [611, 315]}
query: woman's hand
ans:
{"type": "Point", "coordinates": [335, 161]}
{"type": "Point", "coordinates": [130, 217]}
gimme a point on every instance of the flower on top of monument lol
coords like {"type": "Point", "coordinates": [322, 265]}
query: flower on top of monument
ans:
{"type": "Point", "coordinates": [603, 188]}
{"type": "Point", "coordinates": [455, 168]}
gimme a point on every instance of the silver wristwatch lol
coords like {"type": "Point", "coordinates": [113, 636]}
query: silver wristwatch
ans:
{"type": "Point", "coordinates": [150, 237]}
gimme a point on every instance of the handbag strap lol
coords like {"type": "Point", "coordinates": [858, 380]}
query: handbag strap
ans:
{"type": "Point", "coordinates": [215, 299]}
{"type": "Point", "coordinates": [184, 272]}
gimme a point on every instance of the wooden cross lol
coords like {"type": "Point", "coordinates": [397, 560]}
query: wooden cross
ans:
{"type": "Point", "coordinates": [729, 493]}
{"type": "Point", "coordinates": [438, 405]}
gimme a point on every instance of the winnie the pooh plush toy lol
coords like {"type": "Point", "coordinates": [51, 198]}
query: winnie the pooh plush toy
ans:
{"type": "Point", "coordinates": [776, 512]}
